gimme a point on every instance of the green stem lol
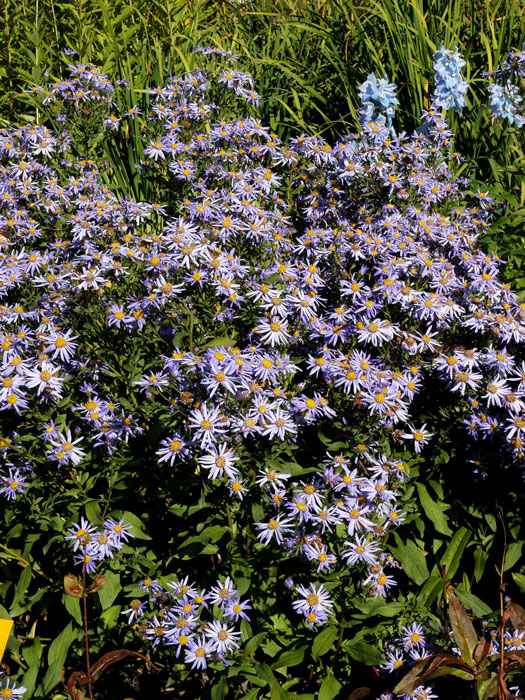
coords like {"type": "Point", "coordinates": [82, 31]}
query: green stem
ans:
{"type": "Point", "coordinates": [230, 522]}
{"type": "Point", "coordinates": [25, 562]}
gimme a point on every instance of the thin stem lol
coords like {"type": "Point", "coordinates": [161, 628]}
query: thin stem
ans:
{"type": "Point", "coordinates": [86, 637]}
{"type": "Point", "coordinates": [501, 672]}
{"type": "Point", "coordinates": [230, 522]}
{"type": "Point", "coordinates": [21, 559]}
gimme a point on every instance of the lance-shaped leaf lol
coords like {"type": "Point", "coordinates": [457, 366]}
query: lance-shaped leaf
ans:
{"type": "Point", "coordinates": [464, 632]}
{"type": "Point", "coordinates": [432, 667]}
{"type": "Point", "coordinates": [413, 677]}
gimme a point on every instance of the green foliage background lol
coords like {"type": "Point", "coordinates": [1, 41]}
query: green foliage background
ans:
{"type": "Point", "coordinates": [309, 59]}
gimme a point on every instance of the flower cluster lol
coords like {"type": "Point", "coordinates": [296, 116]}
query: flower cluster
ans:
{"type": "Point", "coordinates": [93, 545]}
{"type": "Point", "coordinates": [289, 288]}
{"type": "Point", "coordinates": [378, 100]}
{"type": "Point", "coordinates": [189, 619]}
{"type": "Point", "coordinates": [505, 87]}
{"type": "Point", "coordinates": [359, 494]}
{"type": "Point", "coordinates": [416, 642]}
{"type": "Point", "coordinates": [451, 87]}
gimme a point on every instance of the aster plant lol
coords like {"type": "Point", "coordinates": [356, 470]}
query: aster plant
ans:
{"type": "Point", "coordinates": [246, 362]}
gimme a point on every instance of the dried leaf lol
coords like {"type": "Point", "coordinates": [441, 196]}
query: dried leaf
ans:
{"type": "Point", "coordinates": [464, 632]}
{"type": "Point", "coordinates": [431, 667]}
{"type": "Point", "coordinates": [74, 678]}
{"type": "Point", "coordinates": [111, 657]}
{"type": "Point", "coordinates": [411, 680]}
{"type": "Point", "coordinates": [98, 584]}
{"type": "Point", "coordinates": [517, 656]}
{"type": "Point", "coordinates": [72, 586]}
{"type": "Point", "coordinates": [482, 649]}
{"type": "Point", "coordinates": [359, 693]}
{"type": "Point", "coordinates": [516, 615]}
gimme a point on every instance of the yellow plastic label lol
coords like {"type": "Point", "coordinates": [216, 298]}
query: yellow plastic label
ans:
{"type": "Point", "coordinates": [5, 631]}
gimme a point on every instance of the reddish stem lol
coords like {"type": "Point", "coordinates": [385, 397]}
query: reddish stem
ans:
{"type": "Point", "coordinates": [86, 637]}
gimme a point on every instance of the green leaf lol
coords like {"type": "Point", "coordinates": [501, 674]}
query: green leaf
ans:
{"type": "Point", "coordinates": [329, 687]}
{"type": "Point", "coordinates": [513, 555]}
{"type": "Point", "coordinates": [111, 589]}
{"type": "Point", "coordinates": [278, 693]}
{"type": "Point", "coordinates": [412, 560]}
{"type": "Point", "coordinates": [219, 690]}
{"type": "Point", "coordinates": [251, 694]}
{"type": "Point", "coordinates": [220, 342]}
{"type": "Point", "coordinates": [20, 591]}
{"type": "Point", "coordinates": [108, 619]}
{"type": "Point", "coordinates": [363, 652]}
{"type": "Point", "coordinates": [59, 647]}
{"type": "Point", "coordinates": [293, 657]}
{"type": "Point", "coordinates": [265, 672]}
{"type": "Point", "coordinates": [471, 601]}
{"type": "Point", "coordinates": [254, 643]}
{"type": "Point", "coordinates": [72, 605]}
{"type": "Point", "coordinates": [137, 529]}
{"type": "Point", "coordinates": [93, 512]}
{"type": "Point", "coordinates": [519, 580]}
{"type": "Point", "coordinates": [246, 630]}
{"type": "Point", "coordinates": [434, 587]}
{"type": "Point", "coordinates": [452, 556]}
{"type": "Point", "coordinates": [56, 657]}
{"type": "Point", "coordinates": [324, 641]}
{"type": "Point", "coordinates": [433, 510]}
{"type": "Point", "coordinates": [32, 653]}
{"type": "Point", "coordinates": [375, 606]}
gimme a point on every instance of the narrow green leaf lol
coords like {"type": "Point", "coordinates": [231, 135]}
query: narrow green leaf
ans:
{"type": "Point", "coordinates": [219, 690]}
{"type": "Point", "coordinates": [513, 555]}
{"type": "Point", "coordinates": [72, 605]}
{"type": "Point", "coordinates": [452, 556]}
{"type": "Point", "coordinates": [254, 643]}
{"type": "Point", "coordinates": [433, 510]}
{"type": "Point", "coordinates": [293, 657]}
{"type": "Point", "coordinates": [324, 641]}
{"type": "Point", "coordinates": [471, 601]}
{"type": "Point", "coordinates": [519, 580]}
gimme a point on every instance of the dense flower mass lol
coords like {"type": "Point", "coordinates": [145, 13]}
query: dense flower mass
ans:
{"type": "Point", "coordinates": [178, 616]}
{"type": "Point", "coordinates": [270, 329]}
